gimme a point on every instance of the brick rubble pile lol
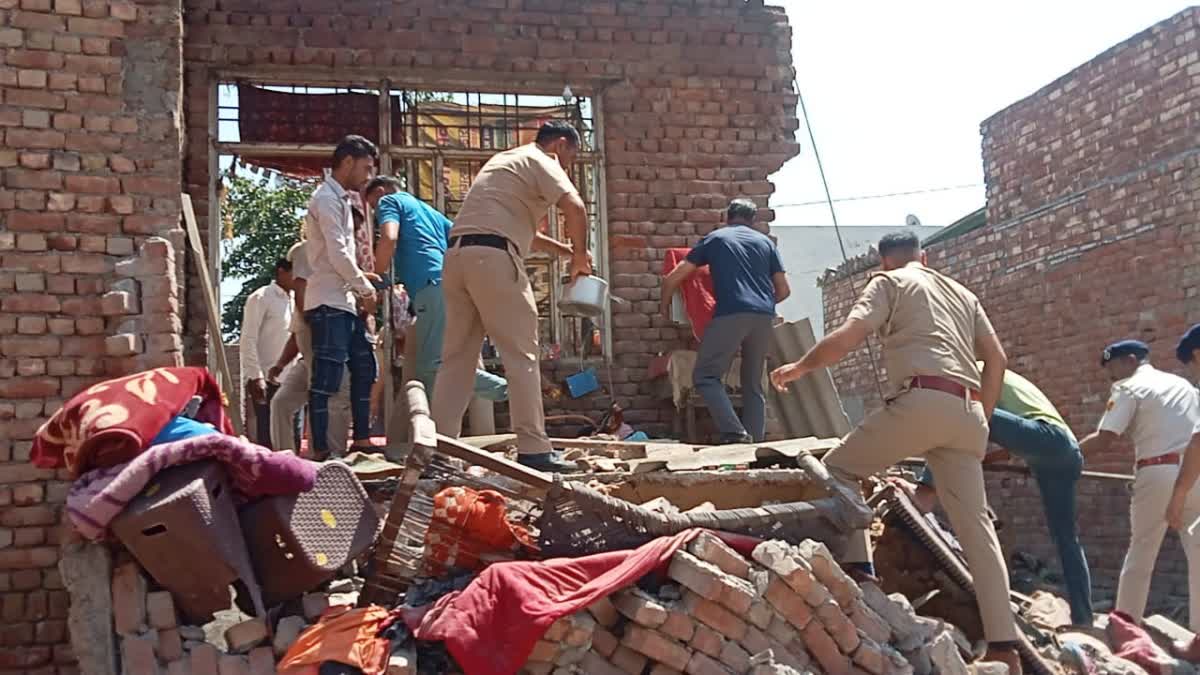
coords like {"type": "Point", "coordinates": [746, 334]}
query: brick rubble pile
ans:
{"type": "Point", "coordinates": [153, 640]}
{"type": "Point", "coordinates": [791, 609]}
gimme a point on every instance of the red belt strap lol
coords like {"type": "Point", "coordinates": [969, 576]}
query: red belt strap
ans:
{"type": "Point", "coordinates": [942, 384]}
{"type": "Point", "coordinates": [1169, 458]}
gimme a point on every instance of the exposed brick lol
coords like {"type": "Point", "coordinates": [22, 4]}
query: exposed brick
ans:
{"type": "Point", "coordinates": [838, 626]}
{"type": "Point", "coordinates": [160, 608]}
{"type": "Point", "coordinates": [822, 648]}
{"type": "Point", "coordinates": [137, 655]}
{"type": "Point", "coordinates": [203, 659]}
{"type": "Point", "coordinates": [785, 562]}
{"type": "Point", "coordinates": [129, 599]}
{"type": "Point", "coordinates": [170, 645]}
{"type": "Point", "coordinates": [640, 608]}
{"type": "Point", "coordinates": [678, 625]}
{"type": "Point", "coordinates": [701, 664]}
{"type": "Point", "coordinates": [788, 604]}
{"type": "Point", "coordinates": [710, 549]}
{"type": "Point", "coordinates": [656, 646]}
{"type": "Point", "coordinates": [715, 616]}
{"type": "Point", "coordinates": [628, 660]}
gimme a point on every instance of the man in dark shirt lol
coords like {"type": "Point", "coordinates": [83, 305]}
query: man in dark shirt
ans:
{"type": "Point", "coordinates": [748, 280]}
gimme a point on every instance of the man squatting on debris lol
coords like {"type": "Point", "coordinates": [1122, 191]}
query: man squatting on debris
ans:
{"type": "Point", "coordinates": [932, 329]}
{"type": "Point", "coordinates": [487, 291]}
{"type": "Point", "coordinates": [748, 280]}
{"type": "Point", "coordinates": [1160, 413]}
{"type": "Point", "coordinates": [1026, 423]}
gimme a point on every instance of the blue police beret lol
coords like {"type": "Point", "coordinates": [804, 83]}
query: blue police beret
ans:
{"type": "Point", "coordinates": [1187, 343]}
{"type": "Point", "coordinates": [1124, 348]}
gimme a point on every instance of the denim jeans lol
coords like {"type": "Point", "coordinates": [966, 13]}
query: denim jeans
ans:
{"type": "Point", "coordinates": [339, 338]}
{"type": "Point", "coordinates": [1055, 461]}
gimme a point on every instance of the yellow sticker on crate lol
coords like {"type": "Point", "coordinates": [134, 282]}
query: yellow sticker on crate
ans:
{"type": "Point", "coordinates": [322, 559]}
{"type": "Point", "coordinates": [328, 518]}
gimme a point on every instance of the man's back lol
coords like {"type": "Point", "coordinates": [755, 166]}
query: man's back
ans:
{"type": "Point", "coordinates": [742, 262]}
{"type": "Point", "coordinates": [1157, 410]}
{"type": "Point", "coordinates": [421, 244]}
{"type": "Point", "coordinates": [511, 193]}
{"type": "Point", "coordinates": [928, 322]}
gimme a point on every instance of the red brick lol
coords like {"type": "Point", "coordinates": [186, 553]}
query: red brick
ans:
{"type": "Point", "coordinates": [710, 549]}
{"type": "Point", "coordinates": [27, 558]}
{"type": "Point", "coordinates": [788, 604]}
{"type": "Point", "coordinates": [822, 648]}
{"type": "Point", "coordinates": [37, 21]}
{"type": "Point", "coordinates": [640, 608]}
{"type": "Point", "coordinates": [656, 646]}
{"type": "Point", "coordinates": [137, 655]}
{"type": "Point", "coordinates": [105, 27]}
{"type": "Point", "coordinates": [129, 598]}
{"type": "Point", "coordinates": [32, 138]}
{"type": "Point", "coordinates": [715, 616]}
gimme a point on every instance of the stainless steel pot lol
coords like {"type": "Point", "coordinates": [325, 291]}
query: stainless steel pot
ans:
{"type": "Point", "coordinates": [585, 296]}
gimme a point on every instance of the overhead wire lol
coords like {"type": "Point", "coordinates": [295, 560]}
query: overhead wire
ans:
{"type": "Point", "coordinates": [885, 195]}
{"type": "Point", "coordinates": [812, 140]}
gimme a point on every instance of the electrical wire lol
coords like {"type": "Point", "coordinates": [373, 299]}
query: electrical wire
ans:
{"type": "Point", "coordinates": [812, 140]}
{"type": "Point", "coordinates": [884, 195]}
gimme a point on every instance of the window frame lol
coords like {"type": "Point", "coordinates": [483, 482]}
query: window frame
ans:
{"type": "Point", "coordinates": [392, 155]}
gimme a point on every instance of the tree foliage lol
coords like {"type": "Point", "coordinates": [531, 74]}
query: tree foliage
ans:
{"type": "Point", "coordinates": [262, 217]}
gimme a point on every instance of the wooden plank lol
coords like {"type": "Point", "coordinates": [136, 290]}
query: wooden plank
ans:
{"type": "Point", "coordinates": [210, 301]}
{"type": "Point", "coordinates": [494, 462]}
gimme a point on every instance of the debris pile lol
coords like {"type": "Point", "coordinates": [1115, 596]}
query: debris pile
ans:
{"type": "Point", "coordinates": [787, 609]}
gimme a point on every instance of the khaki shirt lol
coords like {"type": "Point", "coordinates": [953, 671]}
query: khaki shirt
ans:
{"type": "Point", "coordinates": [928, 323]}
{"type": "Point", "coordinates": [1158, 411]}
{"type": "Point", "coordinates": [512, 192]}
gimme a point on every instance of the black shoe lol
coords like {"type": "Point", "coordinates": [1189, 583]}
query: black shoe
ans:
{"type": "Point", "coordinates": [550, 462]}
{"type": "Point", "coordinates": [736, 439]}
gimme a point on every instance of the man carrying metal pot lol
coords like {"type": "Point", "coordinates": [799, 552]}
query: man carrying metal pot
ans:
{"type": "Point", "coordinates": [748, 281]}
{"type": "Point", "coordinates": [487, 291]}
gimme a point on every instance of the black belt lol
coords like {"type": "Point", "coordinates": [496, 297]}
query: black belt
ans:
{"type": "Point", "coordinates": [488, 240]}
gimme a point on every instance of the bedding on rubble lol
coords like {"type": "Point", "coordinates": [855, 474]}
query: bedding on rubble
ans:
{"type": "Point", "coordinates": [699, 300]}
{"type": "Point", "coordinates": [345, 635]}
{"type": "Point", "coordinates": [467, 525]}
{"type": "Point", "coordinates": [491, 627]}
{"type": "Point", "coordinates": [101, 494]}
{"type": "Point", "coordinates": [111, 422]}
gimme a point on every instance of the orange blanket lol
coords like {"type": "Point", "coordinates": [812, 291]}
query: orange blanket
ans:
{"type": "Point", "coordinates": [112, 422]}
{"type": "Point", "coordinates": [466, 526]}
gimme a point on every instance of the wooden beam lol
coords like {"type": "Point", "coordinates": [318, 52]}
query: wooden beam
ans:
{"type": "Point", "coordinates": [210, 300]}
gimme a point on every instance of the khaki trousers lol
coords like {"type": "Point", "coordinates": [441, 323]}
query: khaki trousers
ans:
{"type": "Point", "coordinates": [488, 293]}
{"type": "Point", "coordinates": [293, 395]}
{"type": "Point", "coordinates": [1147, 521]}
{"type": "Point", "coordinates": [951, 433]}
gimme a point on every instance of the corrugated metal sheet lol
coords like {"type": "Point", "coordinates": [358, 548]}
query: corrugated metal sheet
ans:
{"type": "Point", "coordinates": [811, 406]}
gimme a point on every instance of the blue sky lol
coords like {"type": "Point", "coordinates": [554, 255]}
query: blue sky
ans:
{"type": "Point", "coordinates": [897, 90]}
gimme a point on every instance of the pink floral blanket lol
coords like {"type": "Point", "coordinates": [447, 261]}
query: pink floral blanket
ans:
{"type": "Point", "coordinates": [98, 496]}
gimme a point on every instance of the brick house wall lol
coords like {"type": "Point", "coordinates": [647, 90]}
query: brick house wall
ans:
{"type": "Point", "coordinates": [697, 102]}
{"type": "Point", "coordinates": [90, 259]}
{"type": "Point", "coordinates": [1091, 237]}
{"type": "Point", "coordinates": [104, 118]}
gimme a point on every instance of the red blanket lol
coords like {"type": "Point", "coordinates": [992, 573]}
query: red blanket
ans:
{"type": "Point", "coordinates": [699, 301]}
{"type": "Point", "coordinates": [112, 422]}
{"type": "Point", "coordinates": [491, 626]}
{"type": "Point", "coordinates": [1132, 643]}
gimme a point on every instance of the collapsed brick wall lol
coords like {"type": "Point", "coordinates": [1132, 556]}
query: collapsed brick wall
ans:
{"type": "Point", "coordinates": [1091, 233]}
{"type": "Point", "coordinates": [90, 258]}
{"type": "Point", "coordinates": [697, 105]}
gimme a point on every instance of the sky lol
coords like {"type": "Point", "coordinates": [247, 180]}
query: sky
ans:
{"type": "Point", "coordinates": [896, 92]}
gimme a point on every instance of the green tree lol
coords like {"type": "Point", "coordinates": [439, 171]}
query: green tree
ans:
{"type": "Point", "coordinates": [262, 217]}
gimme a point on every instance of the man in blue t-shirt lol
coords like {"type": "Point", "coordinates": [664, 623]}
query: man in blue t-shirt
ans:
{"type": "Point", "coordinates": [413, 237]}
{"type": "Point", "coordinates": [748, 280]}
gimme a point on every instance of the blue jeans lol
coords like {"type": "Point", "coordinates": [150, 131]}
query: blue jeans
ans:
{"type": "Point", "coordinates": [1055, 461]}
{"type": "Point", "coordinates": [430, 306]}
{"type": "Point", "coordinates": [339, 338]}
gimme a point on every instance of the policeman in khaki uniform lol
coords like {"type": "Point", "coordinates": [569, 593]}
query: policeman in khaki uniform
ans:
{"type": "Point", "coordinates": [1160, 413]}
{"type": "Point", "coordinates": [487, 291]}
{"type": "Point", "coordinates": [933, 329]}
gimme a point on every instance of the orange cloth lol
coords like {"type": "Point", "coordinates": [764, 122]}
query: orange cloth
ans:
{"type": "Point", "coordinates": [466, 525]}
{"type": "Point", "coordinates": [344, 635]}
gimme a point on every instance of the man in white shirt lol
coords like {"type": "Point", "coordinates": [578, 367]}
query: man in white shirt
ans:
{"type": "Point", "coordinates": [293, 374]}
{"type": "Point", "coordinates": [337, 290]}
{"type": "Point", "coordinates": [1159, 412]}
{"type": "Point", "coordinates": [265, 320]}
